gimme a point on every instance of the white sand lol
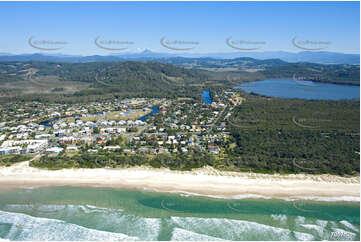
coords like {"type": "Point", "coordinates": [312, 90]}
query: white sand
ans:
{"type": "Point", "coordinates": [205, 181]}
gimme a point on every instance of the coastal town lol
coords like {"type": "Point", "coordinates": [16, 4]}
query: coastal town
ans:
{"type": "Point", "coordinates": [129, 126]}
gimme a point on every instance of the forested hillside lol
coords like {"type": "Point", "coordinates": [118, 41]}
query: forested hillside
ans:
{"type": "Point", "coordinates": [125, 79]}
{"type": "Point", "coordinates": [184, 77]}
{"type": "Point", "coordinates": [293, 135]}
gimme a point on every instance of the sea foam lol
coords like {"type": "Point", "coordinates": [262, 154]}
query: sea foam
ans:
{"type": "Point", "coordinates": [349, 225]}
{"type": "Point", "coordinates": [230, 229]}
{"type": "Point", "coordinates": [25, 227]}
{"type": "Point", "coordinates": [256, 196]}
{"type": "Point", "coordinates": [182, 235]}
{"type": "Point", "coordinates": [279, 217]}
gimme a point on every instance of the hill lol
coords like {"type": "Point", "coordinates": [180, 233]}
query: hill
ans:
{"type": "Point", "coordinates": [169, 77]}
{"type": "Point", "coordinates": [127, 79]}
{"type": "Point", "coordinates": [321, 57]}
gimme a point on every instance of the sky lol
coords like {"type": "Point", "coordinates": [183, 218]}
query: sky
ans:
{"type": "Point", "coordinates": [196, 27]}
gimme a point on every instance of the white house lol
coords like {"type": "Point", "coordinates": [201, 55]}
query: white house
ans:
{"type": "Point", "coordinates": [54, 150]}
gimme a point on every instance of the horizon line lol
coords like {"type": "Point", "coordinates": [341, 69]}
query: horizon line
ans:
{"type": "Point", "coordinates": [49, 53]}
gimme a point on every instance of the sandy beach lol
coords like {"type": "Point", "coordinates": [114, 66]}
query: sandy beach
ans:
{"type": "Point", "coordinates": [206, 181]}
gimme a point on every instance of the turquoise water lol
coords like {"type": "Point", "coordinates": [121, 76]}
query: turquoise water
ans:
{"type": "Point", "coordinates": [289, 88]}
{"type": "Point", "coordinates": [73, 213]}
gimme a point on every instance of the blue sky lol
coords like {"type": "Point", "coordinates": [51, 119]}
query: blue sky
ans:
{"type": "Point", "coordinates": [208, 23]}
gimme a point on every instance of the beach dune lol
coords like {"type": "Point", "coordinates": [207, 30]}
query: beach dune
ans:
{"type": "Point", "coordinates": [205, 181]}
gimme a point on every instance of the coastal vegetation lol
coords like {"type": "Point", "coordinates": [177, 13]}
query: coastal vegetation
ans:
{"type": "Point", "coordinates": [293, 135]}
{"type": "Point", "coordinates": [170, 78]}
{"type": "Point", "coordinates": [7, 160]}
{"type": "Point", "coordinates": [263, 134]}
{"type": "Point", "coordinates": [119, 160]}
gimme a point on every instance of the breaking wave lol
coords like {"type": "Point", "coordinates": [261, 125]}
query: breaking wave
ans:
{"type": "Point", "coordinates": [25, 227]}
{"type": "Point", "coordinates": [87, 222]}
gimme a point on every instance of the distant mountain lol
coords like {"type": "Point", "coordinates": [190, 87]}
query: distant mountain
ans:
{"type": "Point", "coordinates": [176, 76]}
{"type": "Point", "coordinates": [145, 54]}
{"type": "Point", "coordinates": [321, 57]}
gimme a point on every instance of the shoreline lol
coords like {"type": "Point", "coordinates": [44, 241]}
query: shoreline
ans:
{"type": "Point", "coordinates": [205, 181]}
{"type": "Point", "coordinates": [287, 78]}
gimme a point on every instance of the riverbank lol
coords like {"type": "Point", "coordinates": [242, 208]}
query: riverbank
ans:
{"type": "Point", "coordinates": [205, 181]}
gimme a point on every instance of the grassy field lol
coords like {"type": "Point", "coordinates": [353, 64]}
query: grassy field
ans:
{"type": "Point", "coordinates": [7, 160]}
{"type": "Point", "coordinates": [118, 115]}
{"type": "Point", "coordinates": [44, 85]}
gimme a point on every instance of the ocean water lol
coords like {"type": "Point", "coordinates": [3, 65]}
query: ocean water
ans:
{"type": "Point", "coordinates": [75, 213]}
{"type": "Point", "coordinates": [289, 88]}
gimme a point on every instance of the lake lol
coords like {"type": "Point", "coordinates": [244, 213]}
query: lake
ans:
{"type": "Point", "coordinates": [155, 109]}
{"type": "Point", "coordinates": [289, 88]}
{"type": "Point", "coordinates": [206, 95]}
